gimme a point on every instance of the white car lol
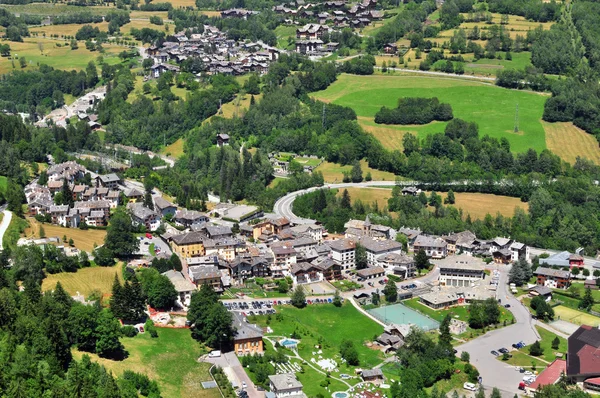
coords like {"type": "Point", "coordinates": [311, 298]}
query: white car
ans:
{"type": "Point", "coordinates": [470, 386]}
{"type": "Point", "coordinates": [214, 354]}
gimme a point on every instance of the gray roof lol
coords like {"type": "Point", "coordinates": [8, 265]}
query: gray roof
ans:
{"type": "Point", "coordinates": [370, 271]}
{"type": "Point", "coordinates": [112, 177]}
{"type": "Point", "coordinates": [162, 203]}
{"type": "Point", "coordinates": [378, 246]}
{"type": "Point", "coordinates": [341, 244]}
{"type": "Point", "coordinates": [245, 330]}
{"type": "Point", "coordinates": [429, 241]}
{"type": "Point", "coordinates": [372, 373]}
{"type": "Point", "coordinates": [179, 281]}
{"type": "Point", "coordinates": [217, 230]}
{"type": "Point", "coordinates": [204, 272]}
{"type": "Point", "coordinates": [541, 290]}
{"type": "Point", "coordinates": [140, 211]}
{"type": "Point", "coordinates": [556, 273]}
{"type": "Point", "coordinates": [188, 238]}
{"type": "Point", "coordinates": [285, 381]}
{"type": "Point", "coordinates": [462, 262]}
{"type": "Point", "coordinates": [395, 258]}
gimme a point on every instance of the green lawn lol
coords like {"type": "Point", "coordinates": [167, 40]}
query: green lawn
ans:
{"type": "Point", "coordinates": [524, 360]}
{"type": "Point", "coordinates": [345, 285]}
{"type": "Point", "coordinates": [169, 359]}
{"type": "Point", "coordinates": [283, 32]}
{"type": "Point", "coordinates": [546, 343]}
{"type": "Point", "coordinates": [13, 233]}
{"type": "Point", "coordinates": [328, 325]}
{"type": "Point", "coordinates": [484, 66]}
{"type": "Point", "coordinates": [491, 107]}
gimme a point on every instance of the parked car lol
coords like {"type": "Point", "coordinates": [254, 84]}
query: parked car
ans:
{"type": "Point", "coordinates": [495, 353]}
{"type": "Point", "coordinates": [381, 282]}
{"type": "Point", "coordinates": [214, 354]}
{"type": "Point", "coordinates": [470, 386]}
{"type": "Point", "coordinates": [506, 305]}
{"type": "Point", "coordinates": [503, 350]}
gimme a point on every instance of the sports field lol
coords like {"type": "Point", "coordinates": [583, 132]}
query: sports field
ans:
{"type": "Point", "coordinates": [570, 142]}
{"type": "Point", "coordinates": [577, 317]}
{"type": "Point", "coordinates": [85, 280]}
{"type": "Point", "coordinates": [491, 107]}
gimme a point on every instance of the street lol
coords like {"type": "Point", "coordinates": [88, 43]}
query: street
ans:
{"type": "Point", "coordinates": [494, 372]}
{"type": "Point", "coordinates": [232, 367]}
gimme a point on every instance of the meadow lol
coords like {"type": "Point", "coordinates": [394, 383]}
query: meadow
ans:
{"type": "Point", "coordinates": [175, 149]}
{"type": "Point", "coordinates": [170, 359]}
{"type": "Point", "coordinates": [570, 142]}
{"type": "Point", "coordinates": [83, 239]}
{"type": "Point", "coordinates": [52, 55]}
{"type": "Point", "coordinates": [491, 107]}
{"type": "Point", "coordinates": [477, 205]}
{"type": "Point", "coordinates": [85, 281]}
{"type": "Point", "coordinates": [333, 172]}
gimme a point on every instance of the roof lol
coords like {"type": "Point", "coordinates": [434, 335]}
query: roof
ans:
{"type": "Point", "coordinates": [204, 272]}
{"type": "Point", "coordinates": [501, 241]}
{"type": "Point", "coordinates": [450, 294]}
{"type": "Point", "coordinates": [341, 244]}
{"type": "Point", "coordinates": [378, 246]}
{"type": "Point", "coordinates": [541, 290]}
{"type": "Point", "coordinates": [218, 230]}
{"type": "Point", "coordinates": [162, 203]}
{"type": "Point", "coordinates": [284, 381]}
{"type": "Point", "coordinates": [179, 281]}
{"type": "Point", "coordinates": [370, 271]}
{"type": "Point", "coordinates": [550, 375]}
{"type": "Point", "coordinates": [555, 273]}
{"type": "Point", "coordinates": [395, 258]}
{"type": "Point", "coordinates": [372, 373]}
{"type": "Point", "coordinates": [245, 330]}
{"type": "Point", "coordinates": [303, 267]}
{"type": "Point", "coordinates": [188, 238]}
{"type": "Point", "coordinates": [429, 241]}
{"type": "Point", "coordinates": [583, 357]}
{"type": "Point", "coordinates": [462, 262]}
{"type": "Point", "coordinates": [109, 178]}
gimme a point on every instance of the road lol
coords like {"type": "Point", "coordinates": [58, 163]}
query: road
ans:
{"type": "Point", "coordinates": [494, 372]}
{"type": "Point", "coordinates": [4, 225]}
{"type": "Point", "coordinates": [448, 75]}
{"type": "Point", "coordinates": [231, 361]}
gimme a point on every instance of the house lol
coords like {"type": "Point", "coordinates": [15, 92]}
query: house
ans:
{"type": "Point", "coordinates": [550, 375]}
{"type": "Point", "coordinates": [583, 362]}
{"type": "Point", "coordinates": [245, 266]}
{"type": "Point", "coordinates": [222, 140]}
{"type": "Point", "coordinates": [141, 215]}
{"type": "Point", "coordinates": [591, 283]}
{"type": "Point", "coordinates": [306, 273]}
{"type": "Point", "coordinates": [359, 229]}
{"type": "Point", "coordinates": [433, 247]}
{"type": "Point", "coordinates": [311, 31]}
{"type": "Point", "coordinates": [444, 297]}
{"type": "Point", "coordinates": [392, 48]}
{"type": "Point", "coordinates": [411, 236]}
{"type": "Point", "coordinates": [184, 287]}
{"type": "Point", "coordinates": [312, 230]}
{"type": "Point", "coordinates": [133, 195]}
{"type": "Point", "coordinates": [503, 256]}
{"type": "Point", "coordinates": [286, 385]}
{"type": "Point", "coordinates": [458, 240]}
{"type": "Point", "coordinates": [461, 270]}
{"type": "Point", "coordinates": [185, 218]}
{"type": "Point", "coordinates": [209, 275]}
{"type": "Point", "coordinates": [539, 290]}
{"type": "Point", "coordinates": [189, 244]}
{"type": "Point", "coordinates": [563, 259]}
{"type": "Point", "coordinates": [553, 278]}
{"type": "Point", "coordinates": [237, 213]}
{"type": "Point", "coordinates": [226, 248]}
{"type": "Point", "coordinates": [371, 273]}
{"type": "Point", "coordinates": [343, 252]}
{"type": "Point", "coordinates": [374, 376]}
{"type": "Point", "coordinates": [158, 69]}
{"type": "Point", "coordinates": [520, 250]}
{"type": "Point", "coordinates": [331, 270]}
{"type": "Point", "coordinates": [376, 248]}
{"type": "Point", "coordinates": [398, 264]}
{"type": "Point", "coordinates": [498, 244]}
{"type": "Point", "coordinates": [247, 338]}
{"type": "Point", "coordinates": [267, 227]}
{"type": "Point", "coordinates": [163, 206]}
{"type": "Point", "coordinates": [110, 181]}
{"type": "Point", "coordinates": [284, 256]}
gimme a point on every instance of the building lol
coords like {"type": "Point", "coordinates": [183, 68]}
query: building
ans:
{"type": "Point", "coordinates": [264, 229]}
{"type": "Point", "coordinates": [343, 251]}
{"type": "Point", "coordinates": [141, 215]}
{"type": "Point", "coordinates": [222, 140]}
{"type": "Point", "coordinates": [185, 218]}
{"type": "Point", "coordinates": [189, 244]}
{"type": "Point", "coordinates": [444, 297]}
{"type": "Point", "coordinates": [563, 259]}
{"type": "Point", "coordinates": [583, 361]}
{"type": "Point", "coordinates": [539, 290]}
{"type": "Point", "coordinates": [283, 258]}
{"type": "Point", "coordinates": [377, 248]}
{"type": "Point", "coordinates": [499, 244]}
{"type": "Point", "coordinates": [553, 278]}
{"type": "Point", "coordinates": [110, 181]}
{"type": "Point", "coordinates": [433, 247]}
{"type": "Point", "coordinates": [209, 275]}
{"type": "Point", "coordinates": [398, 264]}
{"type": "Point", "coordinates": [184, 287]}
{"type": "Point", "coordinates": [157, 70]}
{"type": "Point", "coordinates": [363, 229]}
{"type": "Point", "coordinates": [306, 273]}
{"type": "Point", "coordinates": [311, 31]}
{"type": "Point", "coordinates": [286, 385]}
{"type": "Point", "coordinates": [248, 338]}
{"type": "Point", "coordinates": [550, 375]}
{"type": "Point", "coordinates": [238, 213]}
{"type": "Point", "coordinates": [461, 270]}
{"type": "Point", "coordinates": [411, 236]}
{"type": "Point", "coordinates": [374, 376]}
{"type": "Point", "coordinates": [370, 273]}
{"type": "Point", "coordinates": [520, 250]}
{"type": "Point", "coordinates": [163, 206]}
{"type": "Point", "coordinates": [457, 240]}
{"type": "Point", "coordinates": [312, 230]}
{"type": "Point", "coordinates": [391, 48]}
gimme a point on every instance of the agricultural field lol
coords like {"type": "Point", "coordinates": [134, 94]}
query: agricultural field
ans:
{"type": "Point", "coordinates": [175, 149]}
{"type": "Point", "coordinates": [83, 239]}
{"type": "Point", "coordinates": [57, 57]}
{"type": "Point", "coordinates": [477, 205]}
{"type": "Point", "coordinates": [570, 142]}
{"type": "Point", "coordinates": [85, 281]}
{"type": "Point", "coordinates": [491, 107]}
{"type": "Point", "coordinates": [333, 172]}
{"type": "Point", "coordinates": [170, 359]}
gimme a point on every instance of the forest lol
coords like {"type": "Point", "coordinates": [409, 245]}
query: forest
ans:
{"type": "Point", "coordinates": [415, 111]}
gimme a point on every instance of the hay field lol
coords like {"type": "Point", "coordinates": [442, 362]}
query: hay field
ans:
{"type": "Point", "coordinates": [569, 142]}
{"type": "Point", "coordinates": [84, 240]}
{"type": "Point", "coordinates": [85, 280]}
{"type": "Point", "coordinates": [333, 172]}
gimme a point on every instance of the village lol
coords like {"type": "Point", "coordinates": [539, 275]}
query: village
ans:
{"type": "Point", "coordinates": [232, 246]}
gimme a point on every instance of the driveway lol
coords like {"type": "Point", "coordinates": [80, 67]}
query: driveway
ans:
{"type": "Point", "coordinates": [495, 373]}
{"type": "Point", "coordinates": [236, 371]}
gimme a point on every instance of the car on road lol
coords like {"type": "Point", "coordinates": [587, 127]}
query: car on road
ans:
{"type": "Point", "coordinates": [495, 353]}
{"type": "Point", "coordinates": [503, 350]}
{"type": "Point", "coordinates": [470, 386]}
{"type": "Point", "coordinates": [214, 354]}
{"type": "Point", "coordinates": [381, 282]}
{"type": "Point", "coordinates": [506, 305]}
{"type": "Point", "coordinates": [244, 384]}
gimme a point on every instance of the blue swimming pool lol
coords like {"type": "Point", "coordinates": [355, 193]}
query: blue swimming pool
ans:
{"type": "Point", "coordinates": [288, 343]}
{"type": "Point", "coordinates": [402, 315]}
{"type": "Point", "coordinates": [340, 395]}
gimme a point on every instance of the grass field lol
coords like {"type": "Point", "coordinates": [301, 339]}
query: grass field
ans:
{"type": "Point", "coordinates": [169, 359]}
{"type": "Point", "coordinates": [546, 344]}
{"type": "Point", "coordinates": [238, 106]}
{"type": "Point", "coordinates": [13, 232]}
{"type": "Point", "coordinates": [491, 107]}
{"type": "Point", "coordinates": [84, 240]}
{"type": "Point", "coordinates": [175, 149]}
{"type": "Point", "coordinates": [283, 32]}
{"type": "Point", "coordinates": [333, 172]}
{"type": "Point", "coordinates": [570, 142]}
{"type": "Point", "coordinates": [67, 29]}
{"type": "Point", "coordinates": [57, 57]}
{"type": "Point", "coordinates": [574, 316]}
{"type": "Point", "coordinates": [138, 90]}
{"type": "Point", "coordinates": [524, 360]}
{"type": "Point", "coordinates": [475, 204]}
{"type": "Point", "coordinates": [85, 280]}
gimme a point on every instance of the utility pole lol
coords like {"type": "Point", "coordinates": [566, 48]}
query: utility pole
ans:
{"type": "Point", "coordinates": [517, 118]}
{"type": "Point", "coordinates": [324, 115]}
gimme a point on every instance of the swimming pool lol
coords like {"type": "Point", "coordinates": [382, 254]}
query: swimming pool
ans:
{"type": "Point", "coordinates": [288, 343]}
{"type": "Point", "coordinates": [402, 315]}
{"type": "Point", "coordinates": [340, 395]}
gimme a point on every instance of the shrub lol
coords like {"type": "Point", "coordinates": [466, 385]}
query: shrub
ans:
{"type": "Point", "coordinates": [129, 331]}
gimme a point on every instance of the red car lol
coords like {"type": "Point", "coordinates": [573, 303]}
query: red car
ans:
{"type": "Point", "coordinates": [149, 236]}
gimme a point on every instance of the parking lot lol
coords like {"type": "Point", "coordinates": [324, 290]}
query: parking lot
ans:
{"type": "Point", "coordinates": [265, 307]}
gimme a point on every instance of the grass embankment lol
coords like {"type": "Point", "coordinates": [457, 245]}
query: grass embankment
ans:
{"type": "Point", "coordinates": [175, 149]}
{"type": "Point", "coordinates": [333, 172]}
{"type": "Point", "coordinates": [13, 233]}
{"type": "Point", "coordinates": [83, 239]}
{"type": "Point", "coordinates": [85, 281]}
{"type": "Point", "coordinates": [169, 359]}
{"type": "Point", "coordinates": [491, 107]}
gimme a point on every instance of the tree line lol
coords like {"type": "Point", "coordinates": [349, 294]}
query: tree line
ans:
{"type": "Point", "coordinates": [415, 110]}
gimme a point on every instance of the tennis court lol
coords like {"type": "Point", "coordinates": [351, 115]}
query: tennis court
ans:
{"type": "Point", "coordinates": [577, 317]}
{"type": "Point", "coordinates": [402, 315]}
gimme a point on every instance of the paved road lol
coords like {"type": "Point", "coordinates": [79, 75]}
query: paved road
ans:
{"type": "Point", "coordinates": [494, 372]}
{"type": "Point", "coordinates": [4, 225]}
{"type": "Point", "coordinates": [230, 360]}
{"type": "Point", "coordinates": [449, 75]}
